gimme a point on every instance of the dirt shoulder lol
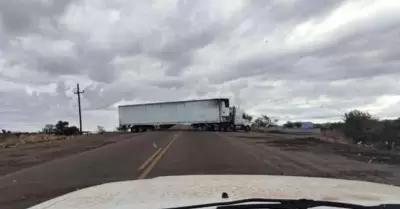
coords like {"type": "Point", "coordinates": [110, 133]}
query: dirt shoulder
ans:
{"type": "Point", "coordinates": [296, 155]}
{"type": "Point", "coordinates": [30, 152]}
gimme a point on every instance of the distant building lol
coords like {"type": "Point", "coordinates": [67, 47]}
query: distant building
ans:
{"type": "Point", "coordinates": [307, 125]}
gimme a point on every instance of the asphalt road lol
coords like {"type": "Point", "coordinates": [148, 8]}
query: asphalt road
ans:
{"type": "Point", "coordinates": [153, 154]}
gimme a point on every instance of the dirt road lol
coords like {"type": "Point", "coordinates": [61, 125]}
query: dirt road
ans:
{"type": "Point", "coordinates": [153, 154]}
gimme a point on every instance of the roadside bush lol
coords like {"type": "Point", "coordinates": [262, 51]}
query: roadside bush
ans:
{"type": "Point", "coordinates": [362, 127]}
{"type": "Point", "coordinates": [49, 129]}
{"type": "Point", "coordinates": [358, 125]}
{"type": "Point", "coordinates": [73, 130]}
{"type": "Point", "coordinates": [264, 121]}
{"type": "Point", "coordinates": [100, 129]}
{"type": "Point", "coordinates": [288, 125]}
{"type": "Point", "coordinates": [61, 128]}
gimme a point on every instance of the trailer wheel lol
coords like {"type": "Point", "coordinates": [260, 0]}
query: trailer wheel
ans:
{"type": "Point", "coordinates": [247, 128]}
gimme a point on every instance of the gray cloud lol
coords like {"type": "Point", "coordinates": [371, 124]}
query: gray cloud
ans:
{"type": "Point", "coordinates": [20, 17]}
{"type": "Point", "coordinates": [278, 11]}
{"type": "Point", "coordinates": [188, 38]}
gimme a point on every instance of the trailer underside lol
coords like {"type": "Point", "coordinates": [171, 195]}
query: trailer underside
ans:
{"type": "Point", "coordinates": [197, 126]}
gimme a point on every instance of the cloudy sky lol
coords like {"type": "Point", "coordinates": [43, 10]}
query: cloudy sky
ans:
{"type": "Point", "coordinates": [290, 59]}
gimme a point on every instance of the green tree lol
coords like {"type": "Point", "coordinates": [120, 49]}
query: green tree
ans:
{"type": "Point", "coordinates": [358, 125]}
{"type": "Point", "coordinates": [390, 133]}
{"type": "Point", "coordinates": [258, 122]}
{"type": "Point", "coordinates": [247, 116]}
{"type": "Point", "coordinates": [61, 126]}
{"type": "Point", "coordinates": [49, 129]}
{"type": "Point", "coordinates": [297, 124]}
{"type": "Point", "coordinates": [288, 124]}
{"type": "Point", "coordinates": [262, 121]}
{"type": "Point", "coordinates": [100, 129]}
{"type": "Point", "coordinates": [73, 130]}
{"type": "Point", "coordinates": [267, 120]}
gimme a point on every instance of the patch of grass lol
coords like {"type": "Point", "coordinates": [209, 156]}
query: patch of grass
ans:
{"type": "Point", "coordinates": [21, 139]}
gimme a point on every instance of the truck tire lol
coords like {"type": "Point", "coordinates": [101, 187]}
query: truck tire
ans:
{"type": "Point", "coordinates": [247, 128]}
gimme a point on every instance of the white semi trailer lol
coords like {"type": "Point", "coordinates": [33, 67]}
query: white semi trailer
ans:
{"type": "Point", "coordinates": [207, 114]}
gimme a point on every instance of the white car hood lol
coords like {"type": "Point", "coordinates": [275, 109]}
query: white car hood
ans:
{"type": "Point", "coordinates": [173, 191]}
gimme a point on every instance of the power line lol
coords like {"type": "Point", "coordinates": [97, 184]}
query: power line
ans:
{"type": "Point", "coordinates": [79, 105]}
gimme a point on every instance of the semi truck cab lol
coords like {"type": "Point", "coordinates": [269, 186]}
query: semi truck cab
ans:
{"type": "Point", "coordinates": [239, 119]}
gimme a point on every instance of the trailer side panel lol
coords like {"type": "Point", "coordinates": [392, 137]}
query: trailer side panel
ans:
{"type": "Point", "coordinates": [185, 112]}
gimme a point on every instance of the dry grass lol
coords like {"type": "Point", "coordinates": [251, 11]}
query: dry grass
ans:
{"type": "Point", "coordinates": [326, 135]}
{"type": "Point", "coordinates": [14, 140]}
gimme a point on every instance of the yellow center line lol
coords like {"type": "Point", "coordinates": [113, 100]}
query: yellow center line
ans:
{"type": "Point", "coordinates": [150, 159]}
{"type": "Point", "coordinates": [157, 158]}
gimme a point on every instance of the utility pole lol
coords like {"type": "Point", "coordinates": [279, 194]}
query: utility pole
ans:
{"type": "Point", "coordinates": [79, 105]}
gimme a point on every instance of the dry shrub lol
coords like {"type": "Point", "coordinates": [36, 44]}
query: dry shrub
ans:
{"type": "Point", "coordinates": [15, 140]}
{"type": "Point", "coordinates": [334, 136]}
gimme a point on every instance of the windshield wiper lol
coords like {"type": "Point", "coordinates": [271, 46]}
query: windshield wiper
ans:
{"type": "Point", "coordinates": [285, 203]}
